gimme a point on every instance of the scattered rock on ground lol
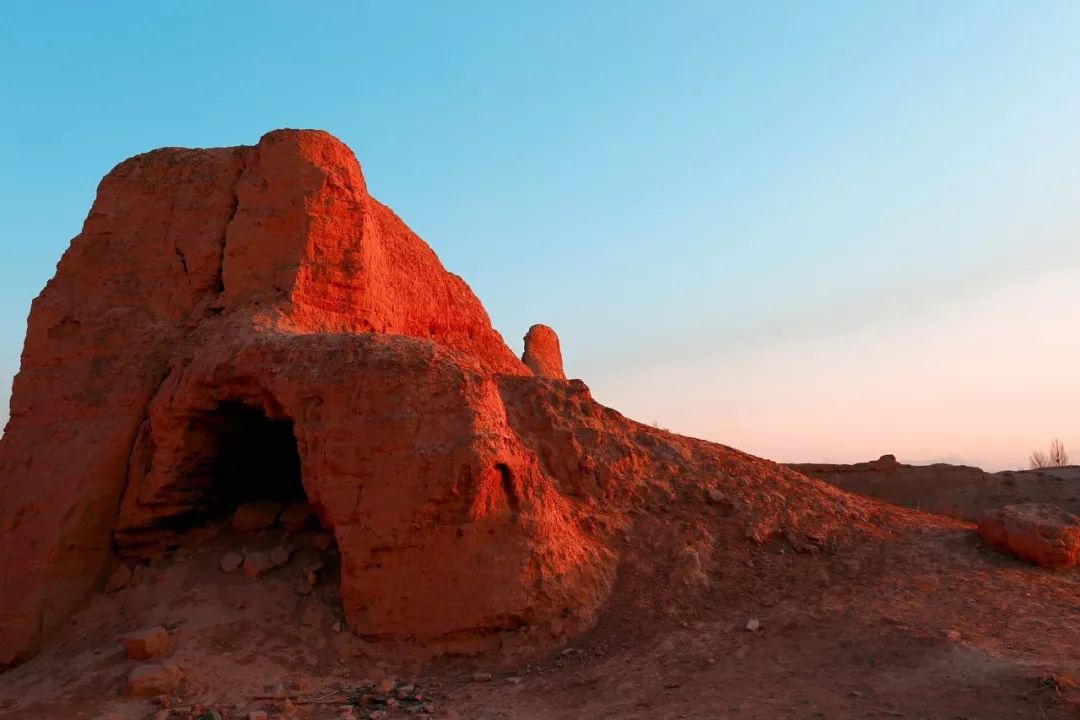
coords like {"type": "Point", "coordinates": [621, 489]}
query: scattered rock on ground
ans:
{"type": "Point", "coordinates": [280, 556]}
{"type": "Point", "coordinates": [753, 625]}
{"type": "Point", "coordinates": [481, 677]}
{"type": "Point", "coordinates": [153, 679]}
{"type": "Point", "coordinates": [231, 562]}
{"type": "Point", "coordinates": [256, 515]}
{"type": "Point", "coordinates": [147, 644]}
{"type": "Point", "coordinates": [297, 516]}
{"type": "Point", "coordinates": [257, 564]}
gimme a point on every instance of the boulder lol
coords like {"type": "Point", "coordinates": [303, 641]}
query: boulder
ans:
{"type": "Point", "coordinates": [256, 515]}
{"type": "Point", "coordinates": [147, 644]}
{"type": "Point", "coordinates": [152, 679]}
{"type": "Point", "coordinates": [280, 556]}
{"type": "Point", "coordinates": [1037, 532]}
{"type": "Point", "coordinates": [257, 564]}
{"type": "Point", "coordinates": [542, 353]}
{"type": "Point", "coordinates": [231, 562]}
{"type": "Point", "coordinates": [297, 516]}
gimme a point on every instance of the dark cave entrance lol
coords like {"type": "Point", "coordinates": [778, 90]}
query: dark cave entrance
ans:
{"type": "Point", "coordinates": [236, 454]}
{"type": "Point", "coordinates": [256, 459]}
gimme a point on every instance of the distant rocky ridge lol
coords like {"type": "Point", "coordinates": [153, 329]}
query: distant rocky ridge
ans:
{"type": "Point", "coordinates": [959, 491]}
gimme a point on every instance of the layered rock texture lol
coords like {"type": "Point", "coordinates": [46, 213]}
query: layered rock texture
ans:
{"type": "Point", "coordinates": [247, 323]}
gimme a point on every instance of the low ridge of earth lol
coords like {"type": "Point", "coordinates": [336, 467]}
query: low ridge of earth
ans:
{"type": "Point", "coordinates": [959, 491]}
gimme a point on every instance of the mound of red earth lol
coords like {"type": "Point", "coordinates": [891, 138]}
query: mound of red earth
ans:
{"type": "Point", "coordinates": [248, 323]}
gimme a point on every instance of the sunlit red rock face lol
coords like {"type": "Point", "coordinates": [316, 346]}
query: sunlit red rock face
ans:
{"type": "Point", "coordinates": [214, 290]}
{"type": "Point", "coordinates": [542, 353]}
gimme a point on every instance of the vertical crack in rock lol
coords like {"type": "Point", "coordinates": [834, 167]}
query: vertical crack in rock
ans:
{"type": "Point", "coordinates": [219, 285]}
{"type": "Point", "coordinates": [183, 260]}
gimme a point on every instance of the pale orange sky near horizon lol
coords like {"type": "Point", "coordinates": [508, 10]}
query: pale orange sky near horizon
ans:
{"type": "Point", "coordinates": [982, 381]}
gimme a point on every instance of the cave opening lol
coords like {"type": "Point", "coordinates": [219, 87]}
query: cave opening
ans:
{"type": "Point", "coordinates": [237, 454]}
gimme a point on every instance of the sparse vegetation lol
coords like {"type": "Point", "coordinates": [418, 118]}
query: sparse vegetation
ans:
{"type": "Point", "coordinates": [1057, 457]}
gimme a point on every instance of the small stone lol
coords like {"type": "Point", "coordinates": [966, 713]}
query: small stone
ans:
{"type": "Point", "coordinates": [149, 644]}
{"type": "Point", "coordinates": [256, 515]}
{"type": "Point", "coordinates": [481, 677]}
{"type": "Point", "coordinates": [231, 561]}
{"type": "Point", "coordinates": [567, 651]}
{"type": "Point", "coordinates": [385, 686]}
{"type": "Point", "coordinates": [297, 516]}
{"type": "Point", "coordinates": [257, 715]}
{"type": "Point", "coordinates": [119, 579]}
{"type": "Point", "coordinates": [515, 680]}
{"type": "Point", "coordinates": [280, 555]}
{"type": "Point", "coordinates": [953, 635]}
{"type": "Point", "coordinates": [336, 626]}
{"type": "Point", "coordinates": [753, 625]}
{"type": "Point", "coordinates": [153, 679]}
{"type": "Point", "coordinates": [378, 715]}
{"type": "Point", "coordinates": [257, 564]}
{"type": "Point", "coordinates": [304, 588]}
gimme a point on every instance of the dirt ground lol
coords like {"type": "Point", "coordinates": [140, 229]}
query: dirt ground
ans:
{"type": "Point", "coordinates": [921, 623]}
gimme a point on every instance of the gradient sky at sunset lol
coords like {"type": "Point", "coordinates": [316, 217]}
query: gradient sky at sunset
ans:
{"type": "Point", "coordinates": [814, 231]}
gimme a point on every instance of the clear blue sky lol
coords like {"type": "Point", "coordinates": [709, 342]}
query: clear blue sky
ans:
{"type": "Point", "coordinates": [813, 230]}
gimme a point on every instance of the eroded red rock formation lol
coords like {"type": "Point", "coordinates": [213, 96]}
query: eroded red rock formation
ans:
{"type": "Point", "coordinates": [542, 353]}
{"type": "Point", "coordinates": [258, 298]}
